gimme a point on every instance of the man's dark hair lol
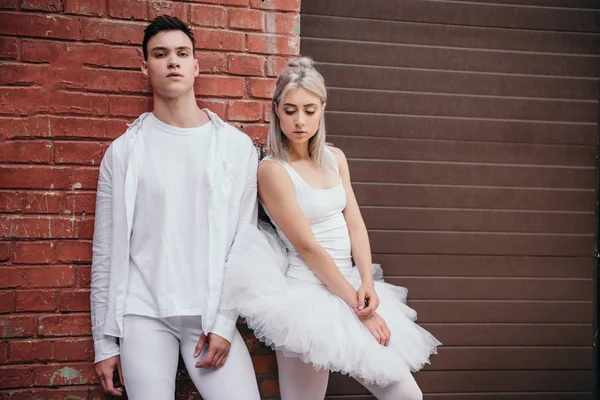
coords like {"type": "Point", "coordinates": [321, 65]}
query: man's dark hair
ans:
{"type": "Point", "coordinates": [165, 23]}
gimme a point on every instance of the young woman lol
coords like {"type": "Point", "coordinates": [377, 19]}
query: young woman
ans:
{"type": "Point", "coordinates": [322, 314]}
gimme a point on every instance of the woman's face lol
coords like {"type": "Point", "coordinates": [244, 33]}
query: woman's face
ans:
{"type": "Point", "coordinates": [299, 114]}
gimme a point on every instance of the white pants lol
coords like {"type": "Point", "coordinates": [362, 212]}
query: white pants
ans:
{"type": "Point", "coordinates": [150, 350]}
{"type": "Point", "coordinates": [300, 381]}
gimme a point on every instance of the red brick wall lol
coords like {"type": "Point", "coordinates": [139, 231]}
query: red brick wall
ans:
{"type": "Point", "coordinates": [69, 81]}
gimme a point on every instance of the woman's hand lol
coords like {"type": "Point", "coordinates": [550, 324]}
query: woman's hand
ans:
{"type": "Point", "coordinates": [368, 301]}
{"type": "Point", "coordinates": [379, 329]}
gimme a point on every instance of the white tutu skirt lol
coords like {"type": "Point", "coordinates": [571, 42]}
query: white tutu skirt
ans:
{"type": "Point", "coordinates": [307, 321]}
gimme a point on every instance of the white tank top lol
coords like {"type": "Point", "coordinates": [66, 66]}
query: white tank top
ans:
{"type": "Point", "coordinates": [323, 209]}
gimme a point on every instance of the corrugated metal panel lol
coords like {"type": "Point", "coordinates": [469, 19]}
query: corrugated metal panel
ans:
{"type": "Point", "coordinates": [471, 133]}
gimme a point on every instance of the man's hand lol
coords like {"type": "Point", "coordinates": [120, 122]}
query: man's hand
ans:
{"type": "Point", "coordinates": [218, 349]}
{"type": "Point", "coordinates": [105, 370]}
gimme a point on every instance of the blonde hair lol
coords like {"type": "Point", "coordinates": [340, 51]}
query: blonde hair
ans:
{"type": "Point", "coordinates": [300, 73]}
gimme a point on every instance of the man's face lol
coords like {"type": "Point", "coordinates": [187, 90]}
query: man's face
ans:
{"type": "Point", "coordinates": [171, 66]}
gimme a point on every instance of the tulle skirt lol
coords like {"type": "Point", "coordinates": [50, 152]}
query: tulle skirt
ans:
{"type": "Point", "coordinates": [307, 321]}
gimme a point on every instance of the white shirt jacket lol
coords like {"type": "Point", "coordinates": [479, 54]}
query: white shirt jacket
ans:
{"type": "Point", "coordinates": [230, 201]}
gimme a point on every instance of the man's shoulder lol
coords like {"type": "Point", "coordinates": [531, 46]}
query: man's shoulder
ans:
{"type": "Point", "coordinates": [236, 138]}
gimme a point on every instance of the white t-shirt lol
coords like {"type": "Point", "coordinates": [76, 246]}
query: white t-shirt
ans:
{"type": "Point", "coordinates": [169, 244]}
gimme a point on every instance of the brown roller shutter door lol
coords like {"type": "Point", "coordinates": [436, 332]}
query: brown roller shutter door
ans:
{"type": "Point", "coordinates": [471, 129]}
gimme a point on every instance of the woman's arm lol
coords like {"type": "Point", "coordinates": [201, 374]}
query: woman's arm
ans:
{"type": "Point", "coordinates": [359, 239]}
{"type": "Point", "coordinates": [276, 191]}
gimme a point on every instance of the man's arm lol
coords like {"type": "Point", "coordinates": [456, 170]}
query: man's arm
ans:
{"type": "Point", "coordinates": [224, 325]}
{"type": "Point", "coordinates": [104, 346]}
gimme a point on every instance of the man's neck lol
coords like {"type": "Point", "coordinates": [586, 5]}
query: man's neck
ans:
{"type": "Point", "coordinates": [182, 112]}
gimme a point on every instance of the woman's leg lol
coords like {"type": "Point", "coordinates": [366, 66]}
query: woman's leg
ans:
{"type": "Point", "coordinates": [300, 381]}
{"type": "Point", "coordinates": [149, 357]}
{"type": "Point", "coordinates": [406, 389]}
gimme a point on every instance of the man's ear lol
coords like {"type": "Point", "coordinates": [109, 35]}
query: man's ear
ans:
{"type": "Point", "coordinates": [196, 67]}
{"type": "Point", "coordinates": [144, 68]}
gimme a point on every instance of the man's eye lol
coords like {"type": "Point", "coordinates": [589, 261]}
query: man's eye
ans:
{"type": "Point", "coordinates": [183, 54]}
{"type": "Point", "coordinates": [159, 55]}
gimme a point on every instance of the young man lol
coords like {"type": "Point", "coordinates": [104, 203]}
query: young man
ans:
{"type": "Point", "coordinates": [172, 191]}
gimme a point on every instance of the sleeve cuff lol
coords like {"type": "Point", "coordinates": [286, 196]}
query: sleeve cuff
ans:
{"type": "Point", "coordinates": [106, 348]}
{"type": "Point", "coordinates": [224, 325]}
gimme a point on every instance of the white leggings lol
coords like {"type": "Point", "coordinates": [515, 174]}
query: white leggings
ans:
{"type": "Point", "coordinates": [150, 350]}
{"type": "Point", "coordinates": [300, 381]}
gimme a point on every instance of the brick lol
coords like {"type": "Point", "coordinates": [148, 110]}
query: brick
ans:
{"type": "Point", "coordinates": [126, 32]}
{"type": "Point", "coordinates": [43, 203]}
{"type": "Point", "coordinates": [176, 9]}
{"type": "Point", "coordinates": [283, 23]}
{"type": "Point", "coordinates": [5, 4]}
{"type": "Point", "coordinates": [34, 253]}
{"type": "Point", "coordinates": [42, 5]}
{"type": "Point", "coordinates": [75, 301]}
{"type": "Point", "coordinates": [262, 88]}
{"type": "Point", "coordinates": [267, 111]}
{"type": "Point", "coordinates": [3, 352]}
{"type": "Point", "coordinates": [96, 8]}
{"type": "Point", "coordinates": [39, 227]}
{"type": "Point", "coordinates": [283, 5]}
{"type": "Point", "coordinates": [83, 276]}
{"type": "Point", "coordinates": [81, 127]}
{"type": "Point", "coordinates": [105, 80]}
{"type": "Point", "coordinates": [74, 349]}
{"type": "Point", "coordinates": [87, 228]}
{"type": "Point", "coordinates": [85, 178]}
{"type": "Point", "coordinates": [15, 377]}
{"type": "Point", "coordinates": [264, 363]}
{"type": "Point", "coordinates": [38, 277]}
{"type": "Point", "coordinates": [216, 106]}
{"type": "Point", "coordinates": [62, 102]}
{"type": "Point", "coordinates": [129, 106]}
{"type": "Point", "coordinates": [251, 20]}
{"type": "Point", "coordinates": [89, 153]}
{"type": "Point", "coordinates": [269, 388]}
{"type": "Point", "coordinates": [60, 374]}
{"type": "Point", "coordinates": [257, 132]}
{"type": "Point", "coordinates": [5, 251]}
{"type": "Point", "coordinates": [74, 251]}
{"type": "Point", "coordinates": [22, 101]}
{"type": "Point", "coordinates": [7, 301]}
{"type": "Point", "coordinates": [222, 86]}
{"type": "Point", "coordinates": [36, 25]}
{"type": "Point", "coordinates": [272, 44]}
{"type": "Point", "coordinates": [219, 39]}
{"type": "Point", "coordinates": [226, 2]}
{"type": "Point", "coordinates": [36, 300]}
{"type": "Point", "coordinates": [9, 48]}
{"type": "Point", "coordinates": [35, 126]}
{"type": "Point", "coordinates": [29, 350]}
{"type": "Point", "coordinates": [210, 62]}
{"type": "Point", "coordinates": [17, 326]}
{"type": "Point", "coordinates": [80, 202]}
{"type": "Point", "coordinates": [244, 111]}
{"type": "Point", "coordinates": [26, 152]}
{"type": "Point", "coordinates": [16, 74]}
{"type": "Point", "coordinates": [210, 16]}
{"type": "Point", "coordinates": [10, 202]}
{"type": "Point", "coordinates": [52, 394]}
{"type": "Point", "coordinates": [124, 57]}
{"type": "Point", "coordinates": [127, 9]}
{"type": "Point", "coordinates": [65, 325]}
{"type": "Point", "coordinates": [275, 65]}
{"type": "Point", "coordinates": [34, 177]}
{"type": "Point", "coordinates": [246, 64]}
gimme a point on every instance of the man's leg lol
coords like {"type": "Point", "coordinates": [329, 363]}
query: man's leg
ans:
{"type": "Point", "coordinates": [149, 357]}
{"type": "Point", "coordinates": [300, 381]}
{"type": "Point", "coordinates": [233, 381]}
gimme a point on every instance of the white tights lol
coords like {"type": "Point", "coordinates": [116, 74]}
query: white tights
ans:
{"type": "Point", "coordinates": [300, 381]}
{"type": "Point", "coordinates": [150, 350]}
